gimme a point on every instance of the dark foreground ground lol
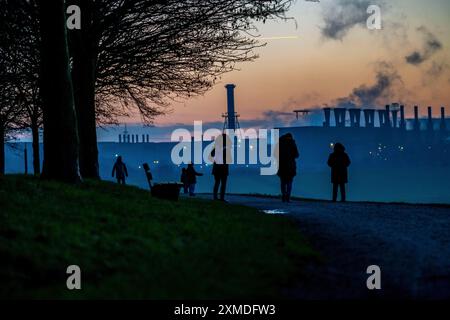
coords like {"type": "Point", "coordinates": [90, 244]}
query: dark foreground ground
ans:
{"type": "Point", "coordinates": [132, 246]}
{"type": "Point", "coordinates": [410, 243]}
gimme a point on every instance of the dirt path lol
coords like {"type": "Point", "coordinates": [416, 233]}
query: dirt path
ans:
{"type": "Point", "coordinates": [410, 243]}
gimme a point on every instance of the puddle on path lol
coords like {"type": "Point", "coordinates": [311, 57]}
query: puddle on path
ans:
{"type": "Point", "coordinates": [275, 211]}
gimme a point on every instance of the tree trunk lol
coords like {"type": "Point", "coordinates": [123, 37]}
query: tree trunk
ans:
{"type": "Point", "coordinates": [60, 124]}
{"type": "Point", "coordinates": [84, 84]}
{"type": "Point", "coordinates": [84, 53]}
{"type": "Point", "coordinates": [36, 151]}
{"type": "Point", "coordinates": [2, 150]}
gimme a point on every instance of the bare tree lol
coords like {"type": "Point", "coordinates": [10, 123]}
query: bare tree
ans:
{"type": "Point", "coordinates": [143, 54]}
{"type": "Point", "coordinates": [11, 108]}
{"type": "Point", "coordinates": [19, 35]}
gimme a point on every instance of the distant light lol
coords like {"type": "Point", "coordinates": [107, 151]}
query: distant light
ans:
{"type": "Point", "coordinates": [116, 155]}
{"type": "Point", "coordinates": [139, 167]}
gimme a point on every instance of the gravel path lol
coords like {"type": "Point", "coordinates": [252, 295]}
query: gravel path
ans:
{"type": "Point", "coordinates": [410, 243]}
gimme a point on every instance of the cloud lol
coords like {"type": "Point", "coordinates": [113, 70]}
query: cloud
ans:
{"type": "Point", "coordinates": [342, 15]}
{"type": "Point", "coordinates": [384, 89]}
{"type": "Point", "coordinates": [388, 87]}
{"type": "Point", "coordinates": [431, 45]}
{"type": "Point", "coordinates": [437, 69]}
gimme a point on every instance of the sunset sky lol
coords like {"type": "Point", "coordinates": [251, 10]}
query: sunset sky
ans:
{"type": "Point", "coordinates": [330, 54]}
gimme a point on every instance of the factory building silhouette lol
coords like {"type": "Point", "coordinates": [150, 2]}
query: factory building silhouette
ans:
{"type": "Point", "coordinates": [356, 127]}
{"type": "Point", "coordinates": [389, 145]}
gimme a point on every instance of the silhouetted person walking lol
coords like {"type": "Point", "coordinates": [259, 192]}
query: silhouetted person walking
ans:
{"type": "Point", "coordinates": [287, 166]}
{"type": "Point", "coordinates": [191, 177]}
{"type": "Point", "coordinates": [120, 171]}
{"type": "Point", "coordinates": [184, 181]}
{"type": "Point", "coordinates": [339, 162]}
{"type": "Point", "coordinates": [220, 170]}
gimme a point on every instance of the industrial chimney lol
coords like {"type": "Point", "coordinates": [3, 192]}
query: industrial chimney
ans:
{"type": "Point", "coordinates": [327, 122]}
{"type": "Point", "coordinates": [387, 119]}
{"type": "Point", "coordinates": [358, 117]}
{"type": "Point", "coordinates": [339, 114]}
{"type": "Point", "coordinates": [394, 118]}
{"type": "Point", "coordinates": [416, 118]}
{"type": "Point", "coordinates": [430, 119]}
{"type": "Point", "coordinates": [443, 124]}
{"type": "Point", "coordinates": [382, 118]}
{"type": "Point", "coordinates": [351, 113]}
{"type": "Point", "coordinates": [355, 118]}
{"type": "Point", "coordinates": [369, 116]}
{"type": "Point", "coordinates": [402, 118]}
{"type": "Point", "coordinates": [231, 110]}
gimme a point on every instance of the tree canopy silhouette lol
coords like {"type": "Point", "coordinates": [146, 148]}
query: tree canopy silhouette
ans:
{"type": "Point", "coordinates": [20, 51]}
{"type": "Point", "coordinates": [128, 56]}
{"type": "Point", "coordinates": [142, 54]}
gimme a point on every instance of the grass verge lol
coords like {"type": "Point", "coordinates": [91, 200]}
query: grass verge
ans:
{"type": "Point", "coordinates": [130, 245]}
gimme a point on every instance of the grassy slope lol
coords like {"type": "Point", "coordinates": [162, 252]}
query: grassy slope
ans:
{"type": "Point", "coordinates": [129, 245]}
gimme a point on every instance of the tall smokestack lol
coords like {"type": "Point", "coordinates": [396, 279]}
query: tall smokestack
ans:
{"type": "Point", "coordinates": [339, 114]}
{"type": "Point", "coordinates": [430, 119]}
{"type": "Point", "coordinates": [369, 116]}
{"type": "Point", "coordinates": [387, 115]}
{"type": "Point", "coordinates": [358, 118]}
{"type": "Point", "coordinates": [351, 112]}
{"type": "Point", "coordinates": [355, 118]}
{"type": "Point", "coordinates": [343, 115]}
{"type": "Point", "coordinates": [394, 118]}
{"type": "Point", "coordinates": [402, 118]}
{"type": "Point", "coordinates": [231, 109]}
{"type": "Point", "coordinates": [443, 124]}
{"type": "Point", "coordinates": [327, 122]}
{"type": "Point", "coordinates": [381, 118]}
{"type": "Point", "coordinates": [416, 118]}
{"type": "Point", "coordinates": [120, 138]}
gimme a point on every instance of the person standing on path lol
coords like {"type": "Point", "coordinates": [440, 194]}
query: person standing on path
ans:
{"type": "Point", "coordinates": [339, 161]}
{"type": "Point", "coordinates": [287, 154]}
{"type": "Point", "coordinates": [120, 171]}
